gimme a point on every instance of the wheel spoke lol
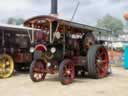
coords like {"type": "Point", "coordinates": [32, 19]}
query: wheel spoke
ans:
{"type": "Point", "coordinates": [102, 54]}
{"type": "Point", "coordinates": [104, 61]}
{"type": "Point", "coordinates": [101, 64]}
{"type": "Point", "coordinates": [38, 71]}
{"type": "Point", "coordinates": [67, 69]}
{"type": "Point", "coordinates": [97, 54]}
{"type": "Point", "coordinates": [98, 70]}
{"type": "Point", "coordinates": [7, 66]}
{"type": "Point", "coordinates": [99, 67]}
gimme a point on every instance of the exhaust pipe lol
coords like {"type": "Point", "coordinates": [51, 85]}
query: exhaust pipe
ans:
{"type": "Point", "coordinates": [54, 7]}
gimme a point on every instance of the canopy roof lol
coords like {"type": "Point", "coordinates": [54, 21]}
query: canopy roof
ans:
{"type": "Point", "coordinates": [15, 27]}
{"type": "Point", "coordinates": [38, 19]}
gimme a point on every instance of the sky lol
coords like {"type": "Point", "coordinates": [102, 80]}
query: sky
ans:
{"type": "Point", "coordinates": [89, 11]}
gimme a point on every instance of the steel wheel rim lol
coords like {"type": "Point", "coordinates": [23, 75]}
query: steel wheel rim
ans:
{"type": "Point", "coordinates": [101, 62]}
{"type": "Point", "coordinates": [38, 71]}
{"type": "Point", "coordinates": [7, 67]}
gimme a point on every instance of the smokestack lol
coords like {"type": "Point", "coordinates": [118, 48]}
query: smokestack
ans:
{"type": "Point", "coordinates": [54, 7]}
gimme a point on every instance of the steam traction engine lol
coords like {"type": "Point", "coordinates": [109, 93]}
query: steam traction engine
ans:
{"type": "Point", "coordinates": [67, 48]}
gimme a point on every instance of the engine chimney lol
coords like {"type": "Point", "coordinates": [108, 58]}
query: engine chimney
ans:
{"type": "Point", "coordinates": [54, 7]}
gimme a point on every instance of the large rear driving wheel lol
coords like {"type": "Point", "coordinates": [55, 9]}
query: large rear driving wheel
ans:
{"type": "Point", "coordinates": [66, 72]}
{"type": "Point", "coordinates": [97, 61]}
{"type": "Point", "coordinates": [37, 70]}
{"type": "Point", "coordinates": [6, 66]}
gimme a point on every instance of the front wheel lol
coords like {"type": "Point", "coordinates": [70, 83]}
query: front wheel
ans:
{"type": "Point", "coordinates": [98, 61]}
{"type": "Point", "coordinates": [6, 66]}
{"type": "Point", "coordinates": [37, 70]}
{"type": "Point", "coordinates": [66, 72]}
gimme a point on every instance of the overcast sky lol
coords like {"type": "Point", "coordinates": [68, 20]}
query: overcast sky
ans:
{"type": "Point", "coordinates": [89, 10]}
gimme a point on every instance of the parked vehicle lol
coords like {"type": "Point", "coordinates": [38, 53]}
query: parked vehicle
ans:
{"type": "Point", "coordinates": [67, 48]}
{"type": "Point", "coordinates": [15, 43]}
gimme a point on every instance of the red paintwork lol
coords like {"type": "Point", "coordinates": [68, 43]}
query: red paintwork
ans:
{"type": "Point", "coordinates": [40, 68]}
{"type": "Point", "coordinates": [102, 69]}
{"type": "Point", "coordinates": [79, 60]}
{"type": "Point", "coordinates": [23, 57]}
{"type": "Point", "coordinates": [35, 20]}
{"type": "Point", "coordinates": [19, 58]}
{"type": "Point", "coordinates": [27, 57]}
{"type": "Point", "coordinates": [38, 36]}
{"type": "Point", "coordinates": [68, 72]}
{"type": "Point", "coordinates": [40, 47]}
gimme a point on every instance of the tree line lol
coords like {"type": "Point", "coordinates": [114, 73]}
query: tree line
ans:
{"type": "Point", "coordinates": [111, 23]}
{"type": "Point", "coordinates": [15, 21]}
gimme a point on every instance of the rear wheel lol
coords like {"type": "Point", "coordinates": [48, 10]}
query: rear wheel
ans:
{"type": "Point", "coordinates": [37, 70]}
{"type": "Point", "coordinates": [97, 61]}
{"type": "Point", "coordinates": [6, 66]}
{"type": "Point", "coordinates": [66, 72]}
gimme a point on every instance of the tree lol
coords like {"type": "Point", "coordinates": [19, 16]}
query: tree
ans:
{"type": "Point", "coordinates": [111, 23]}
{"type": "Point", "coordinates": [15, 21]}
{"type": "Point", "coordinates": [11, 20]}
{"type": "Point", "coordinates": [126, 25]}
{"type": "Point", "coordinates": [19, 21]}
